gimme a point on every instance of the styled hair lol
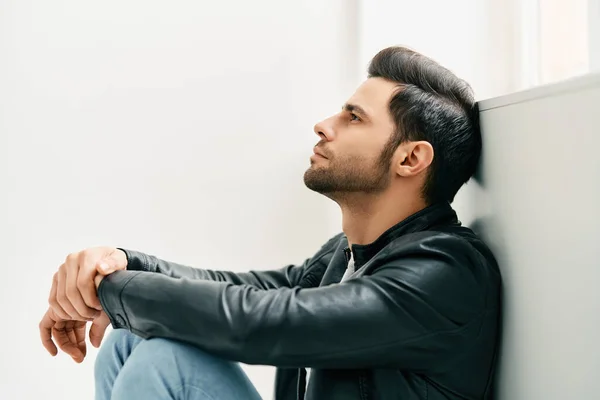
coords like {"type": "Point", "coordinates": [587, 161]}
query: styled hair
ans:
{"type": "Point", "coordinates": [434, 105]}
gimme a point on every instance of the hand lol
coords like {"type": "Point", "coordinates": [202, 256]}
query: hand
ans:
{"type": "Point", "coordinates": [69, 335]}
{"type": "Point", "coordinates": [73, 295]}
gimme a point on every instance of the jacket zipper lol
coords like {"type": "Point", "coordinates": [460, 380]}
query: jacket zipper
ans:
{"type": "Point", "coordinates": [363, 386]}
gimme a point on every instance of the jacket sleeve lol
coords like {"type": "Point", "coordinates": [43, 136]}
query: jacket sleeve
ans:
{"type": "Point", "coordinates": [287, 276]}
{"type": "Point", "coordinates": [407, 313]}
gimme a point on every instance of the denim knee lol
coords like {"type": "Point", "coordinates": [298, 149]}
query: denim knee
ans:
{"type": "Point", "coordinates": [113, 352]}
{"type": "Point", "coordinates": [167, 369]}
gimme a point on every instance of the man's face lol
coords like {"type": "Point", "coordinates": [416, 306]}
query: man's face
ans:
{"type": "Point", "coordinates": [348, 157]}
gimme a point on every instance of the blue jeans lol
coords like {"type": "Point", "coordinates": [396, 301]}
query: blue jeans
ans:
{"type": "Point", "coordinates": [130, 368]}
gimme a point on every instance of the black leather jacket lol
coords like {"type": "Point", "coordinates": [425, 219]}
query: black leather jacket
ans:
{"type": "Point", "coordinates": [418, 319]}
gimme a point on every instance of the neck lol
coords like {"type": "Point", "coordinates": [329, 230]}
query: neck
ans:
{"type": "Point", "coordinates": [365, 217]}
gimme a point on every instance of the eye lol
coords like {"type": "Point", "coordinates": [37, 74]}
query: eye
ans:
{"type": "Point", "coordinates": [354, 117]}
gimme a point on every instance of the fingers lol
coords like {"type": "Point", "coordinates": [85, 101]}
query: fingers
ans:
{"type": "Point", "coordinates": [62, 336]}
{"type": "Point", "coordinates": [74, 267]}
{"type": "Point", "coordinates": [61, 296]}
{"type": "Point", "coordinates": [98, 329]}
{"type": "Point", "coordinates": [70, 332]}
{"type": "Point", "coordinates": [115, 260]}
{"type": "Point", "coordinates": [46, 333]}
{"type": "Point", "coordinates": [68, 335]}
{"type": "Point", "coordinates": [85, 282]}
{"type": "Point", "coordinates": [76, 333]}
{"type": "Point", "coordinates": [53, 301]}
{"type": "Point", "coordinates": [67, 293]}
{"type": "Point", "coordinates": [79, 329]}
{"type": "Point", "coordinates": [107, 266]}
{"type": "Point", "coordinates": [74, 294]}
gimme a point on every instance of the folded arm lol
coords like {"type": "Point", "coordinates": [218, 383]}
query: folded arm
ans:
{"type": "Point", "coordinates": [284, 277]}
{"type": "Point", "coordinates": [403, 315]}
{"type": "Point", "coordinates": [288, 276]}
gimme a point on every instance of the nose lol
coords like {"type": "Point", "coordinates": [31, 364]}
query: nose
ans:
{"type": "Point", "coordinates": [324, 129]}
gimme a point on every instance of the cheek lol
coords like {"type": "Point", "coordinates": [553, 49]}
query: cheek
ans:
{"type": "Point", "coordinates": [364, 147]}
{"type": "Point", "coordinates": [357, 159]}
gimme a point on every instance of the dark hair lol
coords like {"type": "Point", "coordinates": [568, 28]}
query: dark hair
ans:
{"type": "Point", "coordinates": [434, 105]}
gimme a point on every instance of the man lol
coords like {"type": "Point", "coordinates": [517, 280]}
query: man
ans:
{"type": "Point", "coordinates": [404, 304]}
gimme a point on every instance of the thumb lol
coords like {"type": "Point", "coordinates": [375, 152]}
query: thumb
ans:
{"type": "Point", "coordinates": [106, 266]}
{"type": "Point", "coordinates": [98, 329]}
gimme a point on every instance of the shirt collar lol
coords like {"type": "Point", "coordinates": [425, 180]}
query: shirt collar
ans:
{"type": "Point", "coordinates": [435, 214]}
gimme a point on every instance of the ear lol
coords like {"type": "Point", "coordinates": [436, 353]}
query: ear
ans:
{"type": "Point", "coordinates": [413, 157]}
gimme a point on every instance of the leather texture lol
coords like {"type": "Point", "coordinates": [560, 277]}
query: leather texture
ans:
{"type": "Point", "coordinates": [418, 319]}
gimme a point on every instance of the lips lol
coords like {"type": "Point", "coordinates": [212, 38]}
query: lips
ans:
{"type": "Point", "coordinates": [319, 152]}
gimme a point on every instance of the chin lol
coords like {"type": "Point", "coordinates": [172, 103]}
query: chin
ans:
{"type": "Point", "coordinates": [315, 165]}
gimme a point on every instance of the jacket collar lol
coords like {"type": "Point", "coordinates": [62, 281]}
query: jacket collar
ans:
{"type": "Point", "coordinates": [435, 214]}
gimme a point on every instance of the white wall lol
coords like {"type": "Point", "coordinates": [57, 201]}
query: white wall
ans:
{"type": "Point", "coordinates": [540, 214]}
{"type": "Point", "coordinates": [177, 128]}
{"type": "Point", "coordinates": [565, 39]}
{"type": "Point", "coordinates": [594, 33]}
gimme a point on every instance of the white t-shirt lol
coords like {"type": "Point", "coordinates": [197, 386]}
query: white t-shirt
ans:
{"type": "Point", "coordinates": [349, 271]}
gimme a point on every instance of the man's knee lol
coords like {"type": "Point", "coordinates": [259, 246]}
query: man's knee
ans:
{"type": "Point", "coordinates": [166, 355]}
{"type": "Point", "coordinates": [115, 349]}
{"type": "Point", "coordinates": [164, 367]}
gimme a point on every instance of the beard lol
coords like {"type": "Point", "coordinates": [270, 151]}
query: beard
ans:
{"type": "Point", "coordinates": [336, 177]}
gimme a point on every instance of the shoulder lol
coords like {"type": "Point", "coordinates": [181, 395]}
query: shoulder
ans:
{"type": "Point", "coordinates": [324, 254]}
{"type": "Point", "coordinates": [333, 244]}
{"type": "Point", "coordinates": [460, 247]}
{"type": "Point", "coordinates": [448, 264]}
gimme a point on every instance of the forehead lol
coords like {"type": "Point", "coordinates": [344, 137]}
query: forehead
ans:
{"type": "Point", "coordinates": [374, 95]}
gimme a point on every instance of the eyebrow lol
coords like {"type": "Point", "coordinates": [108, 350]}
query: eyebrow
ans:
{"type": "Point", "coordinates": [356, 109]}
